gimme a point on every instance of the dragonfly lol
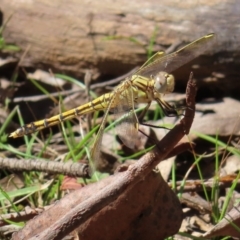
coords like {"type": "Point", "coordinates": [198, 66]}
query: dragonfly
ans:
{"type": "Point", "coordinates": [149, 83]}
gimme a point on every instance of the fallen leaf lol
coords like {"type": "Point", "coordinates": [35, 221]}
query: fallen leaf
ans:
{"type": "Point", "coordinates": [47, 78]}
{"type": "Point", "coordinates": [226, 226]}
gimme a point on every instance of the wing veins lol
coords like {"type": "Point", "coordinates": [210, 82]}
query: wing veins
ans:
{"type": "Point", "coordinates": [176, 59]}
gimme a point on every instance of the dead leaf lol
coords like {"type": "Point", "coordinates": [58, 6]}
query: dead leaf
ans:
{"type": "Point", "coordinates": [7, 60]}
{"type": "Point", "coordinates": [12, 182]}
{"type": "Point", "coordinates": [232, 165]}
{"type": "Point", "coordinates": [226, 226]}
{"type": "Point", "coordinates": [165, 167]}
{"type": "Point", "coordinates": [47, 78]}
{"type": "Point", "coordinates": [70, 183]}
{"type": "Point", "coordinates": [221, 118]}
{"type": "Point", "coordinates": [148, 211]}
{"type": "Point", "coordinates": [211, 118]}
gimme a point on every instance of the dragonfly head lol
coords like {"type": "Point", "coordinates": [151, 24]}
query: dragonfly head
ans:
{"type": "Point", "coordinates": [164, 82]}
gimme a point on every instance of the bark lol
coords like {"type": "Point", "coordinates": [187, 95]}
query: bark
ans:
{"type": "Point", "coordinates": [111, 37]}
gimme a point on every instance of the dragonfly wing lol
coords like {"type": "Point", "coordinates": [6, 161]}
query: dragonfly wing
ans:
{"type": "Point", "coordinates": [153, 58]}
{"type": "Point", "coordinates": [170, 62]}
{"type": "Point", "coordinates": [127, 127]}
{"type": "Point", "coordinates": [96, 147]}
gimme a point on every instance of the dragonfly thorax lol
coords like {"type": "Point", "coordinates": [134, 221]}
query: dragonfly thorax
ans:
{"type": "Point", "coordinates": [164, 82]}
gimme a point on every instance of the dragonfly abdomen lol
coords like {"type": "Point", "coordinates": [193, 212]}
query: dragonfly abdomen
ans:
{"type": "Point", "coordinates": [98, 104]}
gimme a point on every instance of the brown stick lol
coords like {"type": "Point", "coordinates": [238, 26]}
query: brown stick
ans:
{"type": "Point", "coordinates": [69, 168]}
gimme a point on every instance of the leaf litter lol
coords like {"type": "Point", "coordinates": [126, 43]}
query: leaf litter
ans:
{"type": "Point", "coordinates": [213, 117]}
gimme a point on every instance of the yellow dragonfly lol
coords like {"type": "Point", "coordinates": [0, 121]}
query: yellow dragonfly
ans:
{"type": "Point", "coordinates": [150, 82]}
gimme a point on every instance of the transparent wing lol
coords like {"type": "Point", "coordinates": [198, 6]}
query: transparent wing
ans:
{"type": "Point", "coordinates": [127, 127]}
{"type": "Point", "coordinates": [152, 59]}
{"type": "Point", "coordinates": [168, 63]}
{"type": "Point", "coordinates": [96, 147]}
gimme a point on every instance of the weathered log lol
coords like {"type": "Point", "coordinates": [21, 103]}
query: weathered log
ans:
{"type": "Point", "coordinates": [111, 37]}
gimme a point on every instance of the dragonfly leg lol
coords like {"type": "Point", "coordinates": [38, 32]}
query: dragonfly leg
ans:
{"type": "Point", "coordinates": [183, 108]}
{"type": "Point", "coordinates": [168, 110]}
{"type": "Point", "coordinates": [165, 107]}
{"type": "Point", "coordinates": [153, 140]}
{"type": "Point", "coordinates": [171, 111]}
{"type": "Point", "coordinates": [142, 114]}
{"type": "Point", "coordinates": [152, 126]}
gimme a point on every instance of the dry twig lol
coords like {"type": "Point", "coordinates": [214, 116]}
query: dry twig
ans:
{"type": "Point", "coordinates": [69, 168]}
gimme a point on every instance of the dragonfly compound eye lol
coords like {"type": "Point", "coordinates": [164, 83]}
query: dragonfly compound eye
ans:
{"type": "Point", "coordinates": [164, 82]}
